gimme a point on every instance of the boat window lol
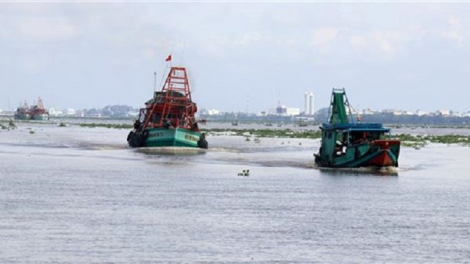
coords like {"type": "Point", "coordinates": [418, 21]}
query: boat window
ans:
{"type": "Point", "coordinates": [329, 135]}
{"type": "Point", "coordinates": [374, 136]}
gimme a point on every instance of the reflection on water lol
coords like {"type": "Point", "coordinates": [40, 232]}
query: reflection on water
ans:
{"type": "Point", "coordinates": [80, 195]}
{"type": "Point", "coordinates": [176, 151]}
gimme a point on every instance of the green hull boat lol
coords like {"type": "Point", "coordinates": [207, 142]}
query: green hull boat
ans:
{"type": "Point", "coordinates": [347, 144]}
{"type": "Point", "coordinates": [36, 112]}
{"type": "Point", "coordinates": [168, 120]}
{"type": "Point", "coordinates": [165, 137]}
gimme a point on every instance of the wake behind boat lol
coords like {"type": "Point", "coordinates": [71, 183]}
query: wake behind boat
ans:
{"type": "Point", "coordinates": [346, 144]}
{"type": "Point", "coordinates": [168, 119]}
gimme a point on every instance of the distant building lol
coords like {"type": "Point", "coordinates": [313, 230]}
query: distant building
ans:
{"type": "Point", "coordinates": [287, 111]}
{"type": "Point", "coordinates": [55, 112]}
{"type": "Point", "coordinates": [291, 111]}
{"type": "Point", "coordinates": [421, 112]}
{"type": "Point", "coordinates": [444, 112]}
{"type": "Point", "coordinates": [69, 112]}
{"type": "Point", "coordinates": [281, 110]}
{"type": "Point", "coordinates": [210, 112]}
{"type": "Point", "coordinates": [367, 111]}
{"type": "Point", "coordinates": [309, 103]}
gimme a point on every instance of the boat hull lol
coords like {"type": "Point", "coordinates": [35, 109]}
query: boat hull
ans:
{"type": "Point", "coordinates": [40, 117]}
{"type": "Point", "coordinates": [379, 154]}
{"type": "Point", "coordinates": [22, 116]}
{"type": "Point", "coordinates": [162, 137]}
{"type": "Point", "coordinates": [165, 137]}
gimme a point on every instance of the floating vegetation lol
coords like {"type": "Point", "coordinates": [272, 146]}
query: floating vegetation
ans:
{"type": "Point", "coordinates": [31, 132]}
{"type": "Point", "coordinates": [12, 124]}
{"type": "Point", "coordinates": [419, 141]}
{"type": "Point", "coordinates": [273, 133]}
{"type": "Point", "coordinates": [118, 126]}
{"type": "Point", "coordinates": [407, 140]}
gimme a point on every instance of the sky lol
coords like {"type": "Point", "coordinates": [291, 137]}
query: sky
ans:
{"type": "Point", "coordinates": [247, 56]}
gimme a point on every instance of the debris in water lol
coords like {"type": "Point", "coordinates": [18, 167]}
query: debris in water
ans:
{"type": "Point", "coordinates": [244, 173]}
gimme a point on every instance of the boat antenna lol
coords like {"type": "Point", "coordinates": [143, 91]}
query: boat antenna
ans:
{"type": "Point", "coordinates": [155, 81]}
{"type": "Point", "coordinates": [182, 53]}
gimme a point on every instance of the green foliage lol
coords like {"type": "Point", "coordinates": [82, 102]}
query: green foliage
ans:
{"type": "Point", "coordinates": [273, 133]}
{"type": "Point", "coordinates": [117, 126]}
{"type": "Point", "coordinates": [451, 139]}
{"type": "Point", "coordinates": [418, 141]}
{"type": "Point", "coordinates": [12, 124]}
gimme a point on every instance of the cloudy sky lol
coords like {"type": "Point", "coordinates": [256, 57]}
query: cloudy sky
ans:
{"type": "Point", "coordinates": [240, 56]}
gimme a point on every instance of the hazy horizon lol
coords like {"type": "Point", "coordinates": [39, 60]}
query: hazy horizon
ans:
{"type": "Point", "coordinates": [239, 56]}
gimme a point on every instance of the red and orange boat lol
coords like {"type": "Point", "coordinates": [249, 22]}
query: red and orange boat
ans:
{"type": "Point", "coordinates": [169, 118]}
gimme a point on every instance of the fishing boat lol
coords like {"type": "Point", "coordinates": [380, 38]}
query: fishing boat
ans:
{"type": "Point", "coordinates": [35, 112]}
{"type": "Point", "coordinates": [38, 112]}
{"type": "Point", "coordinates": [347, 143]}
{"type": "Point", "coordinates": [23, 112]}
{"type": "Point", "coordinates": [168, 119]}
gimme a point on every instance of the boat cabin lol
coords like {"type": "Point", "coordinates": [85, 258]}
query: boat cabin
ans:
{"type": "Point", "coordinates": [338, 138]}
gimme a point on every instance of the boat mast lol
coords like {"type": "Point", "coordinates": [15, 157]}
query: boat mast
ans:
{"type": "Point", "coordinates": [154, 81]}
{"type": "Point", "coordinates": [337, 112]}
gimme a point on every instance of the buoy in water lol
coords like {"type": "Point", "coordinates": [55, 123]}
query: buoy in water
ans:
{"type": "Point", "coordinates": [244, 173]}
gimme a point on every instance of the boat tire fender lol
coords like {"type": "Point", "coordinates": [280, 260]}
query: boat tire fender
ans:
{"type": "Point", "coordinates": [133, 140]}
{"type": "Point", "coordinates": [145, 134]}
{"type": "Point", "coordinates": [202, 142]}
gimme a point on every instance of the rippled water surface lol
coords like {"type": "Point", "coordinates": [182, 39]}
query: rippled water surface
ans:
{"type": "Point", "coordinates": [79, 195]}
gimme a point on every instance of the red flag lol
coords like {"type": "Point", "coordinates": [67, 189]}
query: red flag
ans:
{"type": "Point", "coordinates": [168, 58]}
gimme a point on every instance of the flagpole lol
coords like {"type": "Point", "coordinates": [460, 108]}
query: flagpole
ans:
{"type": "Point", "coordinates": [168, 59]}
{"type": "Point", "coordinates": [182, 55]}
{"type": "Point", "coordinates": [155, 81]}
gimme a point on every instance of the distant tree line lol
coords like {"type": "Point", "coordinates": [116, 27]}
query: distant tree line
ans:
{"type": "Point", "coordinates": [390, 118]}
{"type": "Point", "coordinates": [321, 116]}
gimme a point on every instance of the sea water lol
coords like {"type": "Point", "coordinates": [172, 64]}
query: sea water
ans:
{"type": "Point", "coordinates": [80, 195]}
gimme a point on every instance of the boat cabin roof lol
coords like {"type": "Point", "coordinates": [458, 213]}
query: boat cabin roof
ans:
{"type": "Point", "coordinates": [372, 127]}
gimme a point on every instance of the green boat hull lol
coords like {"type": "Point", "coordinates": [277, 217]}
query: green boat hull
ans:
{"type": "Point", "coordinates": [22, 116]}
{"type": "Point", "coordinates": [164, 137]}
{"type": "Point", "coordinates": [40, 117]}
{"type": "Point", "coordinates": [364, 155]}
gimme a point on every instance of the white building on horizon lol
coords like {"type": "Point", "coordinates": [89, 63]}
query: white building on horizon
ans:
{"type": "Point", "coordinates": [210, 112]}
{"type": "Point", "coordinates": [283, 110]}
{"type": "Point", "coordinates": [309, 103]}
